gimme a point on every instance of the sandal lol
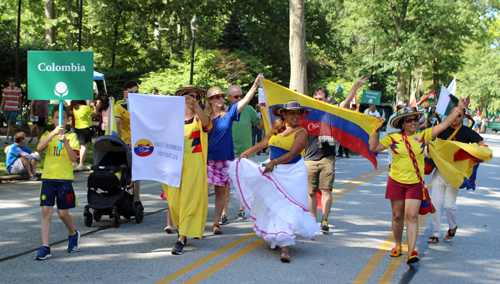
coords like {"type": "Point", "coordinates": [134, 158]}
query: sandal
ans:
{"type": "Point", "coordinates": [395, 252]}
{"type": "Point", "coordinates": [29, 141]}
{"type": "Point", "coordinates": [216, 229]}
{"type": "Point", "coordinates": [285, 257]}
{"type": "Point", "coordinates": [433, 240]}
{"type": "Point", "coordinates": [412, 257]}
{"type": "Point", "coordinates": [449, 236]}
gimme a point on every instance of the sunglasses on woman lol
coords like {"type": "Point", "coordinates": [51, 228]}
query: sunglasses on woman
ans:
{"type": "Point", "coordinates": [217, 97]}
{"type": "Point", "coordinates": [410, 120]}
{"type": "Point", "coordinates": [197, 96]}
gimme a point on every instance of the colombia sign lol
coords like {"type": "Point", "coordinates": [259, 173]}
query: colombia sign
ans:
{"type": "Point", "coordinates": [143, 148]}
{"type": "Point", "coordinates": [54, 75]}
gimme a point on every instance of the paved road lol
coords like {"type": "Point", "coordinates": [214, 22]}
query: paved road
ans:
{"type": "Point", "coordinates": [354, 251]}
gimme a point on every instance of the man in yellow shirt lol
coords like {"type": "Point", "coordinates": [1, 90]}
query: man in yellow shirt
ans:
{"type": "Point", "coordinates": [122, 117]}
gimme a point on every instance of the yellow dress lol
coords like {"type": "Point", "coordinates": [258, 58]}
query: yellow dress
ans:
{"type": "Point", "coordinates": [188, 203]}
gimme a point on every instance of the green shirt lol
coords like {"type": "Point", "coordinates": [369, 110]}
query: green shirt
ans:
{"type": "Point", "coordinates": [242, 130]}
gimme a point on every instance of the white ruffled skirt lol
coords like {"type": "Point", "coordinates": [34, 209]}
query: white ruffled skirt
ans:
{"type": "Point", "coordinates": [276, 202]}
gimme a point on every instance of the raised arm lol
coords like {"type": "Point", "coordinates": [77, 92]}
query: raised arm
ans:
{"type": "Point", "coordinates": [350, 96]}
{"type": "Point", "coordinates": [246, 100]}
{"type": "Point", "coordinates": [436, 130]}
{"type": "Point", "coordinates": [375, 145]}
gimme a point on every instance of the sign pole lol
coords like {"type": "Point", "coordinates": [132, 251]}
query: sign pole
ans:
{"type": "Point", "coordinates": [61, 120]}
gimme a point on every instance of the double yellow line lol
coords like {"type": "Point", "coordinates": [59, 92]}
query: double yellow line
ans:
{"type": "Point", "coordinates": [224, 262]}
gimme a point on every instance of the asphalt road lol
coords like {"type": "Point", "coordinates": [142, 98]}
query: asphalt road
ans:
{"type": "Point", "coordinates": [355, 250]}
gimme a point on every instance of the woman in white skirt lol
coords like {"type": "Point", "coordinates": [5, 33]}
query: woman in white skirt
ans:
{"type": "Point", "coordinates": [275, 194]}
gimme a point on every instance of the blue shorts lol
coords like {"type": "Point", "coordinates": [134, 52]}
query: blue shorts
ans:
{"type": "Point", "coordinates": [10, 116]}
{"type": "Point", "coordinates": [63, 190]}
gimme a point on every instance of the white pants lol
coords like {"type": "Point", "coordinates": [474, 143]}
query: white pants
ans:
{"type": "Point", "coordinates": [443, 193]}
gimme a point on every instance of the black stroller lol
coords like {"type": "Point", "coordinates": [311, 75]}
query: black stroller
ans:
{"type": "Point", "coordinates": [109, 194]}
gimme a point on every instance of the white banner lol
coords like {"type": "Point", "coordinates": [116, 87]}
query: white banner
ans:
{"type": "Point", "coordinates": [157, 136]}
{"type": "Point", "coordinates": [444, 99]}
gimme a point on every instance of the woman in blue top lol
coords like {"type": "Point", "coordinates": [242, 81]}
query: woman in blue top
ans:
{"type": "Point", "coordinates": [220, 143]}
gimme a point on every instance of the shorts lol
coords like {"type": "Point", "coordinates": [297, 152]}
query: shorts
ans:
{"type": "Point", "coordinates": [17, 167]}
{"type": "Point", "coordinates": [322, 173]}
{"type": "Point", "coordinates": [10, 116]}
{"type": "Point", "coordinates": [401, 191]}
{"type": "Point", "coordinates": [84, 135]}
{"type": "Point", "coordinates": [218, 172]}
{"type": "Point", "coordinates": [63, 190]}
{"type": "Point", "coordinates": [42, 122]}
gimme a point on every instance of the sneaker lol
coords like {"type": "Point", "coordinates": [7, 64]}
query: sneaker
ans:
{"type": "Point", "coordinates": [324, 225]}
{"type": "Point", "coordinates": [178, 247]}
{"type": "Point", "coordinates": [43, 253]}
{"type": "Point", "coordinates": [33, 178]}
{"type": "Point", "coordinates": [241, 215]}
{"type": "Point", "coordinates": [223, 220]}
{"type": "Point", "coordinates": [73, 242]}
{"type": "Point", "coordinates": [170, 229]}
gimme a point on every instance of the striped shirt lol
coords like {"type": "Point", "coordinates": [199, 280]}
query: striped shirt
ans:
{"type": "Point", "coordinates": [11, 98]}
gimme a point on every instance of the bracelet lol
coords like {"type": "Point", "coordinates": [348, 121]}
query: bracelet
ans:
{"type": "Point", "coordinates": [275, 162]}
{"type": "Point", "coordinates": [196, 106]}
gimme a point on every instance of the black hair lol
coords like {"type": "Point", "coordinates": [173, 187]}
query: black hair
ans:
{"type": "Point", "coordinates": [104, 98]}
{"type": "Point", "coordinates": [129, 84]}
{"type": "Point", "coordinates": [322, 89]}
{"type": "Point", "coordinates": [56, 109]}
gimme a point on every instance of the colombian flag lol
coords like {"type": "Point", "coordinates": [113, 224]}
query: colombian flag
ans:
{"type": "Point", "coordinates": [458, 162]}
{"type": "Point", "coordinates": [351, 129]}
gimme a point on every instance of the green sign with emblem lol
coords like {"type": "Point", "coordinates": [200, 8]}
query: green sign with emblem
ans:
{"type": "Point", "coordinates": [371, 97]}
{"type": "Point", "coordinates": [54, 75]}
{"type": "Point", "coordinates": [493, 125]}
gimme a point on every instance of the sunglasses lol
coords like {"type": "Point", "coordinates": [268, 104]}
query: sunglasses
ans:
{"type": "Point", "coordinates": [410, 120]}
{"type": "Point", "coordinates": [237, 97]}
{"type": "Point", "coordinates": [218, 97]}
{"type": "Point", "coordinates": [197, 97]}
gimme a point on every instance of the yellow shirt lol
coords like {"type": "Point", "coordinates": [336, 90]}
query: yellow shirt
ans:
{"type": "Point", "coordinates": [57, 164]}
{"type": "Point", "coordinates": [120, 111]}
{"type": "Point", "coordinates": [402, 169]}
{"type": "Point", "coordinates": [83, 117]}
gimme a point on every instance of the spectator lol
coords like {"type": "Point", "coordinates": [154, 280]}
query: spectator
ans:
{"type": "Point", "coordinates": [102, 108]}
{"type": "Point", "coordinates": [372, 110]}
{"type": "Point", "coordinates": [20, 159]}
{"type": "Point", "coordinates": [11, 100]}
{"type": "Point", "coordinates": [155, 92]}
{"type": "Point", "coordinates": [433, 117]}
{"type": "Point", "coordinates": [39, 115]}
{"type": "Point", "coordinates": [83, 125]}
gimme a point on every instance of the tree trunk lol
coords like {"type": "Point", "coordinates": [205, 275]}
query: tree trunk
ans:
{"type": "Point", "coordinates": [400, 86]}
{"type": "Point", "coordinates": [298, 47]}
{"type": "Point", "coordinates": [115, 39]}
{"type": "Point", "coordinates": [49, 31]}
{"type": "Point", "coordinates": [69, 9]}
{"type": "Point", "coordinates": [435, 77]}
{"type": "Point", "coordinates": [399, 19]}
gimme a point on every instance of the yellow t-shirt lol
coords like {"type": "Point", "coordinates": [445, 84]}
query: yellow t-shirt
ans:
{"type": "Point", "coordinates": [120, 111]}
{"type": "Point", "coordinates": [57, 164]}
{"type": "Point", "coordinates": [83, 117]}
{"type": "Point", "coordinates": [402, 169]}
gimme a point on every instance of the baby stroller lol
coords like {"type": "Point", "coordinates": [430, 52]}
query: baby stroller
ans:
{"type": "Point", "coordinates": [110, 184]}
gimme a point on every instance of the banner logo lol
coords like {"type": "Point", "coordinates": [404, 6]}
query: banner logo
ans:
{"type": "Point", "coordinates": [143, 148]}
{"type": "Point", "coordinates": [61, 89]}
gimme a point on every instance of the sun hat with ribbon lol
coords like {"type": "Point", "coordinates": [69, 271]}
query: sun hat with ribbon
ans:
{"type": "Point", "coordinates": [290, 105]}
{"type": "Point", "coordinates": [190, 88]}
{"type": "Point", "coordinates": [402, 113]}
{"type": "Point", "coordinates": [214, 91]}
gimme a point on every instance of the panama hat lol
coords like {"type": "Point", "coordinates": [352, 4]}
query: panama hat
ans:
{"type": "Point", "coordinates": [214, 91]}
{"type": "Point", "coordinates": [290, 105]}
{"type": "Point", "coordinates": [190, 88]}
{"type": "Point", "coordinates": [402, 113]}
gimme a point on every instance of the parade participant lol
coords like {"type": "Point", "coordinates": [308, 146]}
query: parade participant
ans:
{"type": "Point", "coordinates": [11, 100]}
{"type": "Point", "coordinates": [242, 131]}
{"type": "Point", "coordinates": [433, 117]}
{"type": "Point", "coordinates": [21, 159]}
{"type": "Point", "coordinates": [122, 118]}
{"type": "Point", "coordinates": [256, 131]}
{"type": "Point", "coordinates": [83, 123]}
{"type": "Point", "coordinates": [320, 160]}
{"type": "Point", "coordinates": [39, 115]}
{"type": "Point", "coordinates": [405, 184]}
{"type": "Point", "coordinates": [372, 110]}
{"type": "Point", "coordinates": [275, 196]}
{"type": "Point", "coordinates": [443, 193]}
{"type": "Point", "coordinates": [390, 129]}
{"type": "Point", "coordinates": [102, 107]}
{"type": "Point", "coordinates": [57, 181]}
{"type": "Point", "coordinates": [188, 203]}
{"type": "Point", "coordinates": [220, 143]}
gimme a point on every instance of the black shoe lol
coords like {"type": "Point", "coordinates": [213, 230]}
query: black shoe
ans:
{"type": "Point", "coordinates": [347, 156]}
{"type": "Point", "coordinates": [258, 153]}
{"type": "Point", "coordinates": [339, 156]}
{"type": "Point", "coordinates": [178, 247]}
{"type": "Point", "coordinates": [223, 220]}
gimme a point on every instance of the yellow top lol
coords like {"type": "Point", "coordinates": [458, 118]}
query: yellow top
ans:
{"type": "Point", "coordinates": [284, 142]}
{"type": "Point", "coordinates": [83, 117]}
{"type": "Point", "coordinates": [57, 164]}
{"type": "Point", "coordinates": [120, 111]}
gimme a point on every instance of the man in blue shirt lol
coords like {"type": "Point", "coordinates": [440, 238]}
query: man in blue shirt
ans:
{"type": "Point", "coordinates": [21, 159]}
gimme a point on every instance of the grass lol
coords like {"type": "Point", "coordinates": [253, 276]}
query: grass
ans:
{"type": "Point", "coordinates": [39, 166]}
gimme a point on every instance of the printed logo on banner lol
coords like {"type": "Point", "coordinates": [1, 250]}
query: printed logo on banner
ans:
{"type": "Point", "coordinates": [143, 148]}
{"type": "Point", "coordinates": [61, 89]}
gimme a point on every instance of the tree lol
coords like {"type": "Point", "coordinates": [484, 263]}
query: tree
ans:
{"type": "Point", "coordinates": [298, 47]}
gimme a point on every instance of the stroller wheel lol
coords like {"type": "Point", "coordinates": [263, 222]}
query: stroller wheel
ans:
{"type": "Point", "coordinates": [97, 215]}
{"type": "Point", "coordinates": [116, 221]}
{"type": "Point", "coordinates": [139, 213]}
{"type": "Point", "coordinates": [88, 219]}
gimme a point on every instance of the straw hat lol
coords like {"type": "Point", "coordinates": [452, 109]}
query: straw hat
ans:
{"type": "Point", "coordinates": [402, 113]}
{"type": "Point", "coordinates": [290, 105]}
{"type": "Point", "coordinates": [214, 91]}
{"type": "Point", "coordinates": [190, 88]}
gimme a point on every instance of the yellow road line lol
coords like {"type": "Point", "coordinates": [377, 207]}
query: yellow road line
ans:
{"type": "Point", "coordinates": [218, 266]}
{"type": "Point", "coordinates": [205, 259]}
{"type": "Point", "coordinates": [337, 196]}
{"type": "Point", "coordinates": [360, 177]}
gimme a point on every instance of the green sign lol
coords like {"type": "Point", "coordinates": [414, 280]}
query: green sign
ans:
{"type": "Point", "coordinates": [54, 75]}
{"type": "Point", "coordinates": [493, 125]}
{"type": "Point", "coordinates": [371, 97]}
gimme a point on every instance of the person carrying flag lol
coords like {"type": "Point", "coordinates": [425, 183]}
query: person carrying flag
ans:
{"type": "Point", "coordinates": [405, 186]}
{"type": "Point", "coordinates": [442, 190]}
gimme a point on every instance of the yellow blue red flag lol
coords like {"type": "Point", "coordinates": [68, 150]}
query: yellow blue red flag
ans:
{"type": "Point", "coordinates": [351, 129]}
{"type": "Point", "coordinates": [111, 127]}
